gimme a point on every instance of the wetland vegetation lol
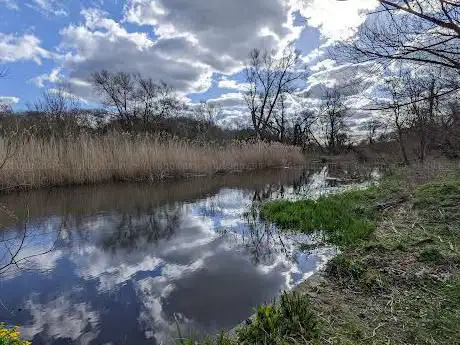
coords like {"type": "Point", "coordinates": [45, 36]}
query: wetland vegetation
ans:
{"type": "Point", "coordinates": [396, 279]}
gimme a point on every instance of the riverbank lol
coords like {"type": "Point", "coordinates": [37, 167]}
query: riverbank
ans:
{"type": "Point", "coordinates": [397, 279]}
{"type": "Point", "coordinates": [28, 163]}
{"type": "Point", "coordinates": [401, 283]}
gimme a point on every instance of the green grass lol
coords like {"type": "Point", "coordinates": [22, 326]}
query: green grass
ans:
{"type": "Point", "coordinates": [289, 321]}
{"type": "Point", "coordinates": [440, 199]}
{"type": "Point", "coordinates": [343, 218]}
{"type": "Point", "coordinates": [439, 194]}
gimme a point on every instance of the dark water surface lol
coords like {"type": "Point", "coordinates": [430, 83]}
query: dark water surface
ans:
{"type": "Point", "coordinates": [118, 264]}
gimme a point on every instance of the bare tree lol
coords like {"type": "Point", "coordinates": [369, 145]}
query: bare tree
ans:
{"type": "Point", "coordinates": [269, 77]}
{"type": "Point", "coordinates": [134, 96]}
{"type": "Point", "coordinates": [392, 92]}
{"type": "Point", "coordinates": [282, 120]}
{"type": "Point", "coordinates": [420, 31]}
{"type": "Point", "coordinates": [154, 99]}
{"type": "Point", "coordinates": [146, 94]}
{"type": "Point", "coordinates": [167, 104]}
{"type": "Point", "coordinates": [372, 126]}
{"type": "Point", "coordinates": [117, 90]}
{"type": "Point", "coordinates": [332, 116]}
{"type": "Point", "coordinates": [306, 128]}
{"type": "Point", "coordinates": [56, 103]}
{"type": "Point", "coordinates": [450, 128]}
{"type": "Point", "coordinates": [207, 112]}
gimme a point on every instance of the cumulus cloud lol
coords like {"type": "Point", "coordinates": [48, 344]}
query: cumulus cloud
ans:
{"type": "Point", "coordinates": [337, 20]}
{"type": "Point", "coordinates": [349, 78]}
{"type": "Point", "coordinates": [185, 42]}
{"type": "Point", "coordinates": [224, 30]}
{"type": "Point", "coordinates": [27, 47]}
{"type": "Point", "coordinates": [104, 43]}
{"type": "Point", "coordinates": [181, 42]}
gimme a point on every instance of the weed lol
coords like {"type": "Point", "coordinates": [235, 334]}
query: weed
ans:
{"type": "Point", "coordinates": [292, 319]}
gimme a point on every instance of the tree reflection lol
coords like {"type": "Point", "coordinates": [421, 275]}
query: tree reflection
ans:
{"type": "Point", "coordinates": [19, 247]}
{"type": "Point", "coordinates": [134, 231]}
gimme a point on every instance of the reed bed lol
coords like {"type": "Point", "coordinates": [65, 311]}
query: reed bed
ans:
{"type": "Point", "coordinates": [37, 163]}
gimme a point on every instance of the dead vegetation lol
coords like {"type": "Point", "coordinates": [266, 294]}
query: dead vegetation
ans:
{"type": "Point", "coordinates": [88, 160]}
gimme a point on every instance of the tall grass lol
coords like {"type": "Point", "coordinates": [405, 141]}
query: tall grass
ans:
{"type": "Point", "coordinates": [36, 163]}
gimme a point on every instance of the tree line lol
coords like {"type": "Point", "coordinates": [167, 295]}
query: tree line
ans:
{"type": "Point", "coordinates": [415, 46]}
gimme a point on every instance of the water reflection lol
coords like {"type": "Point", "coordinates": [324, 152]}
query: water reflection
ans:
{"type": "Point", "coordinates": [118, 264]}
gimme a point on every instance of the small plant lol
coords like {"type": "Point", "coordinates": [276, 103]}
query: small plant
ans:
{"type": "Point", "coordinates": [11, 336]}
{"type": "Point", "coordinates": [298, 318]}
{"type": "Point", "coordinates": [278, 324]}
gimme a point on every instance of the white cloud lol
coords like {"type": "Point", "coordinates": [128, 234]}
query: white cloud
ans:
{"type": "Point", "coordinates": [187, 48]}
{"type": "Point", "coordinates": [9, 100]}
{"type": "Point", "coordinates": [49, 7]}
{"type": "Point", "coordinates": [337, 20]}
{"type": "Point", "coordinates": [313, 55]}
{"type": "Point", "coordinates": [103, 43]}
{"type": "Point", "coordinates": [230, 99]}
{"type": "Point", "coordinates": [322, 65]}
{"type": "Point", "coordinates": [10, 4]}
{"type": "Point", "coordinates": [61, 318]}
{"type": "Point", "coordinates": [26, 47]}
{"type": "Point", "coordinates": [232, 85]}
{"type": "Point", "coordinates": [225, 31]}
{"type": "Point", "coordinates": [53, 77]}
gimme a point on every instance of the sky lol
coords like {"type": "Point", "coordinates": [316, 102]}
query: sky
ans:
{"type": "Point", "coordinates": [199, 47]}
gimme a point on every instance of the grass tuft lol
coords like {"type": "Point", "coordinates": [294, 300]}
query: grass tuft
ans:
{"type": "Point", "coordinates": [287, 322]}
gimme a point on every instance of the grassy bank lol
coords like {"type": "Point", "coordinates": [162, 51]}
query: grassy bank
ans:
{"type": "Point", "coordinates": [397, 279]}
{"type": "Point", "coordinates": [35, 163]}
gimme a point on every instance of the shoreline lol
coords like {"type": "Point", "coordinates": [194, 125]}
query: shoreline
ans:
{"type": "Point", "coordinates": [150, 181]}
{"type": "Point", "coordinates": [399, 284]}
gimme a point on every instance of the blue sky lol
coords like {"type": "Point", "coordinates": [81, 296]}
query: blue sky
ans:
{"type": "Point", "coordinates": [199, 47]}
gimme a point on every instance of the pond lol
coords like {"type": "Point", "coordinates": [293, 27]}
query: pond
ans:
{"type": "Point", "coordinates": [126, 264]}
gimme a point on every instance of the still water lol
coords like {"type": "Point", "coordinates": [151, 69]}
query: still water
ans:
{"type": "Point", "coordinates": [124, 264]}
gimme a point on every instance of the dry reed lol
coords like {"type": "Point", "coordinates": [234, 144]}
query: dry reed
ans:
{"type": "Point", "coordinates": [88, 160]}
